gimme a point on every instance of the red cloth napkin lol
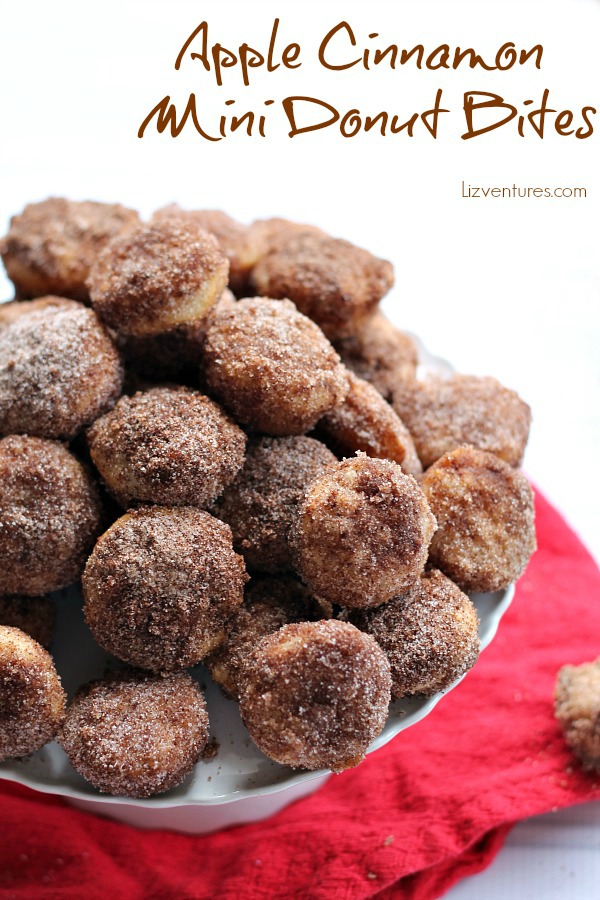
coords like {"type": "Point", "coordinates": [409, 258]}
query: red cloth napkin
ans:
{"type": "Point", "coordinates": [432, 806]}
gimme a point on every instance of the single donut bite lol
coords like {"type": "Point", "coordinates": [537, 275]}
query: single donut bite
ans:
{"type": "Point", "coordinates": [175, 355]}
{"type": "Point", "coordinates": [269, 603]}
{"type": "Point", "coordinates": [364, 421]}
{"type": "Point", "coordinates": [51, 246]}
{"type": "Point", "coordinates": [157, 277]}
{"type": "Point", "coordinates": [264, 235]}
{"type": "Point", "coordinates": [272, 367]}
{"type": "Point", "coordinates": [314, 695]}
{"type": "Point", "coordinates": [50, 515]}
{"type": "Point", "coordinates": [59, 370]}
{"type": "Point", "coordinates": [171, 446]}
{"type": "Point", "coordinates": [362, 533]}
{"type": "Point", "coordinates": [577, 708]}
{"type": "Point", "coordinates": [136, 735]}
{"type": "Point", "coordinates": [442, 413]}
{"type": "Point", "coordinates": [380, 353]}
{"type": "Point", "coordinates": [429, 635]}
{"type": "Point", "coordinates": [32, 701]}
{"type": "Point", "coordinates": [484, 510]}
{"type": "Point", "coordinates": [333, 282]}
{"type": "Point", "coordinates": [261, 504]}
{"type": "Point", "coordinates": [35, 616]}
{"type": "Point", "coordinates": [231, 236]}
{"type": "Point", "coordinates": [160, 586]}
{"type": "Point", "coordinates": [14, 309]}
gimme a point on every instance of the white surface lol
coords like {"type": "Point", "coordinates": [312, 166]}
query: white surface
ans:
{"type": "Point", "coordinates": [508, 288]}
{"type": "Point", "coordinates": [554, 857]}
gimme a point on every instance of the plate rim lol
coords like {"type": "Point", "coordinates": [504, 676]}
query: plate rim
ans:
{"type": "Point", "coordinates": [296, 777]}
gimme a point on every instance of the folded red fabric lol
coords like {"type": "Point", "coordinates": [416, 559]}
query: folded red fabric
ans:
{"type": "Point", "coordinates": [426, 810]}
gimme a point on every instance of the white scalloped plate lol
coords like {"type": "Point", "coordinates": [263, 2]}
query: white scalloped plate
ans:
{"type": "Point", "coordinates": [239, 784]}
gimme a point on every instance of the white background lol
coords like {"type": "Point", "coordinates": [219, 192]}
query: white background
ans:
{"type": "Point", "coordinates": [503, 287]}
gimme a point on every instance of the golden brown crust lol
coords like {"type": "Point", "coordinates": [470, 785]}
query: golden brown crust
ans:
{"type": "Point", "coordinates": [50, 514]}
{"type": "Point", "coordinates": [315, 694]}
{"type": "Point", "coordinates": [364, 421]}
{"type": "Point", "coordinates": [362, 533]}
{"type": "Point", "coordinates": [32, 701]}
{"type": "Point", "coordinates": [231, 236]}
{"type": "Point", "coordinates": [171, 446]}
{"type": "Point", "coordinates": [59, 371]}
{"type": "Point", "coordinates": [160, 586]}
{"type": "Point", "coordinates": [443, 412]}
{"type": "Point", "coordinates": [577, 708]}
{"type": "Point", "coordinates": [261, 504]}
{"type": "Point", "coordinates": [51, 246]}
{"type": "Point", "coordinates": [135, 735]}
{"type": "Point", "coordinates": [429, 635]}
{"type": "Point", "coordinates": [272, 367]}
{"type": "Point", "coordinates": [10, 312]}
{"type": "Point", "coordinates": [332, 281]}
{"type": "Point", "coordinates": [157, 278]}
{"type": "Point", "coordinates": [264, 235]}
{"type": "Point", "coordinates": [269, 603]}
{"type": "Point", "coordinates": [380, 353]}
{"type": "Point", "coordinates": [33, 615]}
{"type": "Point", "coordinates": [485, 515]}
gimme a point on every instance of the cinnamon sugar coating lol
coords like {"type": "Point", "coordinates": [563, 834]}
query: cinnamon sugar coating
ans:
{"type": "Point", "coordinates": [50, 514]}
{"type": "Point", "coordinates": [485, 515]}
{"type": "Point", "coordinates": [429, 635]}
{"type": "Point", "coordinates": [265, 235]}
{"type": "Point", "coordinates": [157, 278]}
{"type": "Point", "coordinates": [332, 281]}
{"type": "Point", "coordinates": [262, 503]}
{"type": "Point", "coordinates": [136, 735]}
{"type": "Point", "coordinates": [14, 309]}
{"type": "Point", "coordinates": [231, 236]}
{"type": "Point", "coordinates": [160, 586]}
{"type": "Point", "coordinates": [443, 412]}
{"type": "Point", "coordinates": [380, 353]}
{"type": "Point", "coordinates": [272, 367]}
{"type": "Point", "coordinates": [315, 694]}
{"type": "Point", "coordinates": [51, 246]}
{"type": "Point", "coordinates": [59, 370]}
{"type": "Point", "coordinates": [362, 533]}
{"type": "Point", "coordinates": [33, 615]}
{"type": "Point", "coordinates": [364, 421]}
{"type": "Point", "coordinates": [577, 708]}
{"type": "Point", "coordinates": [32, 701]}
{"type": "Point", "coordinates": [172, 446]}
{"type": "Point", "coordinates": [269, 603]}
